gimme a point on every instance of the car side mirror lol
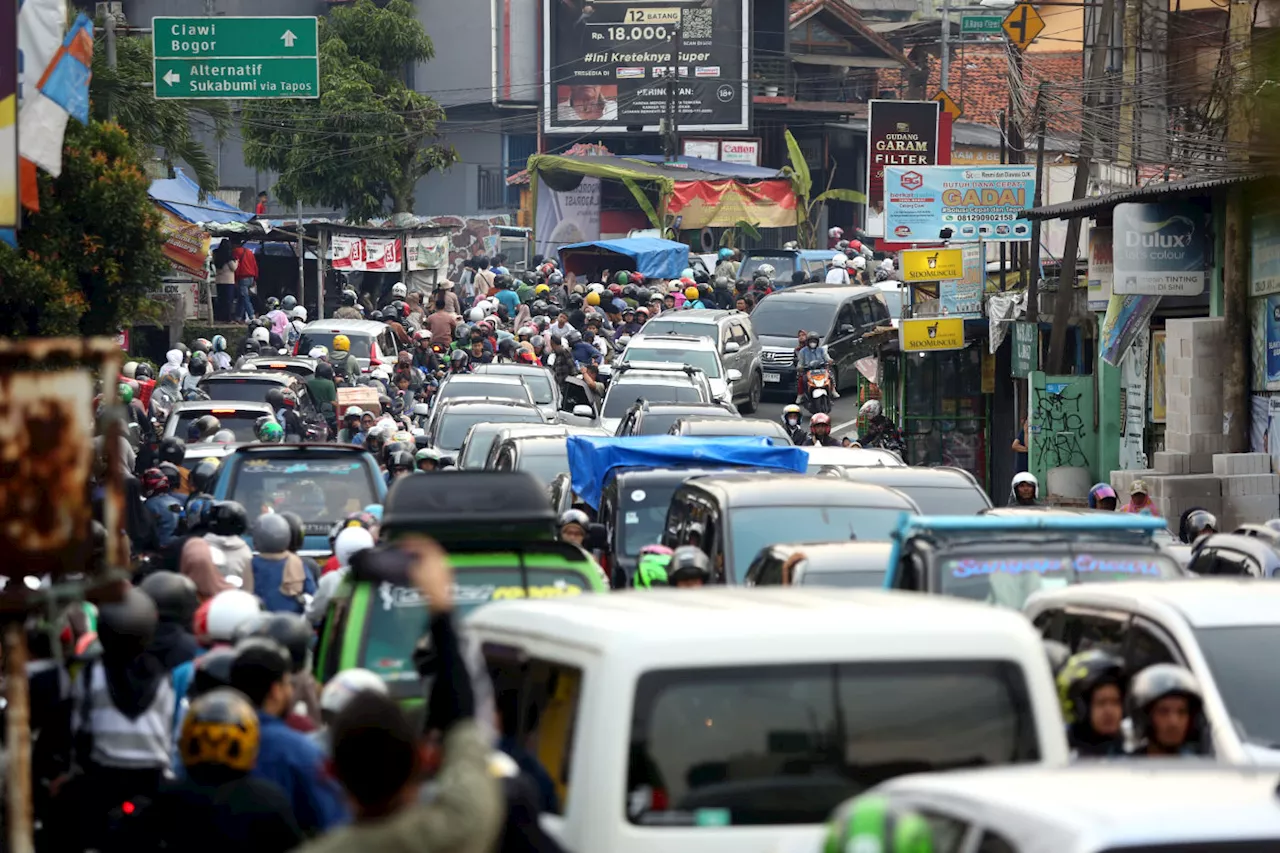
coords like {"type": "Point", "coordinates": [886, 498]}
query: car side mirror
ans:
{"type": "Point", "coordinates": [846, 329]}
{"type": "Point", "coordinates": [731, 347]}
{"type": "Point", "coordinates": [448, 461]}
{"type": "Point", "coordinates": [733, 375]}
{"type": "Point", "coordinates": [584, 411]}
{"type": "Point", "coordinates": [597, 537]}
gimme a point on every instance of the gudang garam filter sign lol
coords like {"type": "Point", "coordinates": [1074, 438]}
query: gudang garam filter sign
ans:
{"type": "Point", "coordinates": [899, 133]}
{"type": "Point", "coordinates": [1159, 249]}
{"type": "Point", "coordinates": [957, 203]}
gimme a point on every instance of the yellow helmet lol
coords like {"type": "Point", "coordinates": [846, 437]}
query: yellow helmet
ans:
{"type": "Point", "coordinates": [221, 728]}
{"type": "Point", "coordinates": [342, 343]}
{"type": "Point", "coordinates": [691, 293]}
{"type": "Point", "coordinates": [541, 289]}
{"type": "Point", "coordinates": [593, 299]}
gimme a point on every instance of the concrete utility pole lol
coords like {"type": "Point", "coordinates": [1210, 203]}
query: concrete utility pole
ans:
{"type": "Point", "coordinates": [1033, 262]}
{"type": "Point", "coordinates": [1125, 154]}
{"type": "Point", "coordinates": [1070, 252]}
{"type": "Point", "coordinates": [110, 25]}
{"type": "Point", "coordinates": [944, 70]}
{"type": "Point", "coordinates": [1235, 273]}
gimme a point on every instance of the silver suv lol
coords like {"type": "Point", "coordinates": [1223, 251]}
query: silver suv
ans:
{"type": "Point", "coordinates": [735, 339]}
{"type": "Point", "coordinates": [654, 382]}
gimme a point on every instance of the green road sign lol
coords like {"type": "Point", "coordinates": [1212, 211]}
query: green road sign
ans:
{"type": "Point", "coordinates": [981, 24]}
{"type": "Point", "coordinates": [242, 58]}
{"type": "Point", "coordinates": [1026, 349]}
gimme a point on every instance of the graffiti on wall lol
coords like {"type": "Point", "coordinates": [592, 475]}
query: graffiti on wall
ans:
{"type": "Point", "coordinates": [468, 236]}
{"type": "Point", "coordinates": [1058, 422]}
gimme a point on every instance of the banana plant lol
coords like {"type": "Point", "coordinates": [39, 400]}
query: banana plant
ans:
{"type": "Point", "coordinates": [802, 186]}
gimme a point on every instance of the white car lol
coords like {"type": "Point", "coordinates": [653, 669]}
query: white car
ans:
{"type": "Point", "coordinates": [683, 350]}
{"type": "Point", "coordinates": [734, 720]}
{"type": "Point", "coordinates": [1227, 632]}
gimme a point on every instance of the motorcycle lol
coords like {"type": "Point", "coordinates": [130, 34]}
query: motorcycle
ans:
{"type": "Point", "coordinates": [817, 390]}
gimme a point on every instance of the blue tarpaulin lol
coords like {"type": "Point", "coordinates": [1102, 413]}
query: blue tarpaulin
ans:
{"type": "Point", "coordinates": [742, 171]}
{"type": "Point", "coordinates": [654, 257]}
{"type": "Point", "coordinates": [181, 195]}
{"type": "Point", "coordinates": [591, 459]}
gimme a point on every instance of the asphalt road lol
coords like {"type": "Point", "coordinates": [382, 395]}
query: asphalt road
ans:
{"type": "Point", "coordinates": [843, 413]}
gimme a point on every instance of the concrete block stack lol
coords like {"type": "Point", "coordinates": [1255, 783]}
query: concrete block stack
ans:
{"type": "Point", "coordinates": [1174, 494]}
{"type": "Point", "coordinates": [1122, 480]}
{"type": "Point", "coordinates": [1250, 491]}
{"type": "Point", "coordinates": [1194, 393]}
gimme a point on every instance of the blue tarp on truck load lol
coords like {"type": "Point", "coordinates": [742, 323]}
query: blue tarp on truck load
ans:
{"type": "Point", "coordinates": [653, 257]}
{"type": "Point", "coordinates": [591, 459]}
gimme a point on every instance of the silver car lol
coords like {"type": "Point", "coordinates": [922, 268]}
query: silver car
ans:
{"type": "Point", "coordinates": [735, 339]}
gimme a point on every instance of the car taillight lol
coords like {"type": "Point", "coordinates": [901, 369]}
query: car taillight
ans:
{"type": "Point", "coordinates": [297, 344]}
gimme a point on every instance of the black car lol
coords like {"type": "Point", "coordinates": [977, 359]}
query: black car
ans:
{"type": "Point", "coordinates": [645, 418]}
{"type": "Point", "coordinates": [840, 313]}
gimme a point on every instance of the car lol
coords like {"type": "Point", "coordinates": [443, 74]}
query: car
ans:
{"type": "Point", "coordinates": [1252, 550]}
{"type": "Point", "coordinates": [458, 385]}
{"type": "Point", "coordinates": [822, 458]}
{"type": "Point", "coordinates": [322, 483]}
{"type": "Point", "coordinates": [372, 343]}
{"type": "Point", "coordinates": [859, 565]}
{"type": "Point", "coordinates": [652, 382]}
{"type": "Point", "coordinates": [700, 425]}
{"type": "Point", "coordinates": [541, 382]}
{"type": "Point", "coordinates": [543, 456]}
{"type": "Point", "coordinates": [1223, 629]}
{"type": "Point", "coordinates": [482, 437]}
{"type": "Point", "coordinates": [1166, 807]}
{"type": "Point", "coordinates": [1160, 535]}
{"type": "Point", "coordinates": [734, 337]}
{"type": "Point", "coordinates": [1004, 559]}
{"type": "Point", "coordinates": [251, 386]}
{"type": "Point", "coordinates": [300, 366]}
{"type": "Point", "coordinates": [841, 314]}
{"type": "Point", "coordinates": [682, 350]}
{"type": "Point", "coordinates": [732, 516]}
{"type": "Point", "coordinates": [646, 418]}
{"type": "Point", "coordinates": [451, 419]}
{"type": "Point", "coordinates": [937, 491]}
{"type": "Point", "coordinates": [239, 417]}
{"type": "Point", "coordinates": [736, 719]}
{"type": "Point", "coordinates": [194, 454]}
{"type": "Point", "coordinates": [786, 262]}
{"type": "Point", "coordinates": [376, 624]}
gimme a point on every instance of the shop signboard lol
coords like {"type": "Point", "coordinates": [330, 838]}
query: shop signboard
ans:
{"type": "Point", "coordinates": [957, 203]}
{"type": "Point", "coordinates": [1100, 268]}
{"type": "Point", "coordinates": [1273, 341]}
{"type": "Point", "coordinates": [1026, 350]}
{"type": "Point", "coordinates": [1159, 249]}
{"type": "Point", "coordinates": [931, 334]}
{"type": "Point", "coordinates": [932, 264]}
{"type": "Point", "coordinates": [962, 297]}
{"type": "Point", "coordinates": [899, 133]}
{"type": "Point", "coordinates": [1264, 254]}
{"type": "Point", "coordinates": [607, 66]}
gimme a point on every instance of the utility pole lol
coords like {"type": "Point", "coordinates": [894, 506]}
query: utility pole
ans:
{"type": "Point", "coordinates": [1070, 252]}
{"type": "Point", "coordinates": [944, 71]}
{"type": "Point", "coordinates": [1033, 286]}
{"type": "Point", "coordinates": [1126, 154]}
{"type": "Point", "coordinates": [671, 132]}
{"type": "Point", "coordinates": [110, 25]}
{"type": "Point", "coordinates": [1235, 273]}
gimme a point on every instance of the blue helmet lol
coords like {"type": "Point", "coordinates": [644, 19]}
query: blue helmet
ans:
{"type": "Point", "coordinates": [726, 253]}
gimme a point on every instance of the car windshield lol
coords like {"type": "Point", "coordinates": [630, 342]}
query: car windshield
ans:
{"type": "Point", "coordinates": [787, 744]}
{"type": "Point", "coordinates": [322, 489]}
{"type": "Point", "coordinates": [478, 442]}
{"type": "Point", "coordinates": [240, 390]}
{"type": "Point", "coordinates": [642, 513]}
{"type": "Point", "coordinates": [663, 326]}
{"type": "Point", "coordinates": [623, 395]}
{"type": "Point", "coordinates": [1239, 658]}
{"type": "Point", "coordinates": [935, 501]}
{"type": "Point", "coordinates": [754, 528]}
{"type": "Point", "coordinates": [1008, 577]}
{"type": "Point", "coordinates": [239, 421]}
{"type": "Point", "coordinates": [546, 464]}
{"type": "Point", "coordinates": [701, 358]}
{"type": "Point", "coordinates": [539, 387]}
{"type": "Point", "coordinates": [660, 423]}
{"type": "Point", "coordinates": [454, 425]}
{"type": "Point", "coordinates": [783, 265]}
{"type": "Point", "coordinates": [498, 390]}
{"type": "Point", "coordinates": [846, 580]}
{"type": "Point", "coordinates": [782, 317]}
{"type": "Point", "coordinates": [395, 619]}
{"type": "Point", "coordinates": [361, 345]}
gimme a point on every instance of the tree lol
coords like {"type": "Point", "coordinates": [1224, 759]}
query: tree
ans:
{"type": "Point", "coordinates": [156, 126]}
{"type": "Point", "coordinates": [368, 138]}
{"type": "Point", "coordinates": [802, 185]}
{"type": "Point", "coordinates": [86, 262]}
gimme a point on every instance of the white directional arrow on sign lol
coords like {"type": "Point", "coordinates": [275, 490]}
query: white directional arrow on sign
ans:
{"type": "Point", "coordinates": [289, 38]}
{"type": "Point", "coordinates": [172, 77]}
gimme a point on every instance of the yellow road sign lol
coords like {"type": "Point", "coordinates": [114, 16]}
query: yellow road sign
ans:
{"type": "Point", "coordinates": [932, 264]}
{"type": "Point", "coordinates": [1022, 25]}
{"type": "Point", "coordinates": [928, 334]}
{"type": "Point", "coordinates": [948, 104]}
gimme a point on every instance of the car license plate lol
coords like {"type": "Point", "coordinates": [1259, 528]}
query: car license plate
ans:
{"type": "Point", "coordinates": [773, 377]}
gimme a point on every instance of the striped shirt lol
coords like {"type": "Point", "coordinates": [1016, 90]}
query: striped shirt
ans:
{"type": "Point", "coordinates": [119, 742]}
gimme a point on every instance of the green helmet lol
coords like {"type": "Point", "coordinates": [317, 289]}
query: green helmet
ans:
{"type": "Point", "coordinates": [651, 571]}
{"type": "Point", "coordinates": [271, 433]}
{"type": "Point", "coordinates": [871, 823]}
{"type": "Point", "coordinates": [125, 392]}
{"type": "Point", "coordinates": [622, 277]}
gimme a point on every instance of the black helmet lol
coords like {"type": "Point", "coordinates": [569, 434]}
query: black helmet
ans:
{"type": "Point", "coordinates": [172, 474]}
{"type": "Point", "coordinates": [377, 315]}
{"type": "Point", "coordinates": [172, 449]}
{"type": "Point", "coordinates": [1080, 676]}
{"type": "Point", "coordinates": [129, 623]}
{"type": "Point", "coordinates": [228, 518]}
{"type": "Point", "coordinates": [249, 346]}
{"type": "Point", "coordinates": [689, 563]}
{"type": "Point", "coordinates": [206, 426]}
{"type": "Point", "coordinates": [143, 371]}
{"type": "Point", "coordinates": [275, 399]}
{"type": "Point", "coordinates": [297, 529]}
{"type": "Point", "coordinates": [203, 475]}
{"type": "Point", "coordinates": [1160, 681]}
{"type": "Point", "coordinates": [290, 631]}
{"type": "Point", "coordinates": [212, 670]}
{"type": "Point", "coordinates": [175, 597]}
{"type": "Point", "coordinates": [1198, 521]}
{"type": "Point", "coordinates": [401, 460]}
{"type": "Point", "coordinates": [202, 345]}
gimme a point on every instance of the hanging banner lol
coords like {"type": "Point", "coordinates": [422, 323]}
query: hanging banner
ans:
{"type": "Point", "coordinates": [1264, 254]}
{"type": "Point", "coordinates": [1126, 316]}
{"type": "Point", "coordinates": [899, 133]}
{"type": "Point", "coordinates": [723, 204]}
{"type": "Point", "coordinates": [1160, 249]}
{"type": "Point", "coordinates": [566, 217]}
{"type": "Point", "coordinates": [1100, 268]}
{"type": "Point", "coordinates": [186, 245]}
{"type": "Point", "coordinates": [365, 254]}
{"type": "Point", "coordinates": [1273, 341]}
{"type": "Point", "coordinates": [426, 253]}
{"type": "Point", "coordinates": [1133, 404]}
{"type": "Point", "coordinates": [963, 297]}
{"type": "Point", "coordinates": [929, 334]}
{"type": "Point", "coordinates": [957, 203]}
{"type": "Point", "coordinates": [1159, 384]}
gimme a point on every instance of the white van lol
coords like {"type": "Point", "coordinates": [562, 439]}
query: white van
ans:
{"type": "Point", "coordinates": [736, 719]}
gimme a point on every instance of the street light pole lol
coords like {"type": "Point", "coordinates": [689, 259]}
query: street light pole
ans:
{"type": "Point", "coordinates": [944, 72]}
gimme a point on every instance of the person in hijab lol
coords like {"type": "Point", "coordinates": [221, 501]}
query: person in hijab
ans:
{"type": "Point", "coordinates": [197, 564]}
{"type": "Point", "coordinates": [173, 364]}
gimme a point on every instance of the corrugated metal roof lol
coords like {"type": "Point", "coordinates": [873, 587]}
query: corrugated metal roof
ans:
{"type": "Point", "coordinates": [1163, 189]}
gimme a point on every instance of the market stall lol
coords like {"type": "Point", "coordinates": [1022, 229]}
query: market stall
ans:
{"type": "Point", "coordinates": [652, 257]}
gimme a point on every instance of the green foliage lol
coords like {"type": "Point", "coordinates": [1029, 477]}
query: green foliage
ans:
{"type": "Point", "coordinates": [156, 127]}
{"type": "Point", "coordinates": [802, 185]}
{"type": "Point", "coordinates": [368, 138]}
{"type": "Point", "coordinates": [741, 228]}
{"type": "Point", "coordinates": [88, 259]}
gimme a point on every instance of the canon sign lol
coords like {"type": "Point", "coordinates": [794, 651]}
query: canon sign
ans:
{"type": "Point", "coordinates": [1159, 249]}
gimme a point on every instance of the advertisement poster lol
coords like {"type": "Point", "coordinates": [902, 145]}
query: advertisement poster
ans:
{"type": "Point", "coordinates": [426, 253]}
{"type": "Point", "coordinates": [1273, 341]}
{"type": "Point", "coordinates": [1100, 269]}
{"type": "Point", "coordinates": [1126, 316]}
{"type": "Point", "coordinates": [963, 297]}
{"type": "Point", "coordinates": [929, 334]}
{"type": "Point", "coordinates": [1159, 249]}
{"type": "Point", "coordinates": [365, 254]}
{"type": "Point", "coordinates": [1264, 428]}
{"type": "Point", "coordinates": [899, 133]}
{"type": "Point", "coordinates": [9, 213]}
{"type": "Point", "coordinates": [703, 149]}
{"type": "Point", "coordinates": [931, 264]}
{"type": "Point", "coordinates": [566, 217]}
{"type": "Point", "coordinates": [607, 65]}
{"type": "Point", "coordinates": [743, 151]}
{"type": "Point", "coordinates": [957, 203]}
{"type": "Point", "coordinates": [767, 204]}
{"type": "Point", "coordinates": [1133, 405]}
{"type": "Point", "coordinates": [1264, 254]}
{"type": "Point", "coordinates": [1159, 378]}
{"type": "Point", "coordinates": [1026, 349]}
{"type": "Point", "coordinates": [186, 245]}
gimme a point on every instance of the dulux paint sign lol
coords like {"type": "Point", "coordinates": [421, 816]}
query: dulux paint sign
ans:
{"type": "Point", "coordinates": [1159, 249]}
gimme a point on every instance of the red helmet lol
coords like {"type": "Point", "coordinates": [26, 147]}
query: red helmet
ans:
{"type": "Point", "coordinates": [636, 278]}
{"type": "Point", "coordinates": [615, 289]}
{"type": "Point", "coordinates": [820, 419]}
{"type": "Point", "coordinates": [856, 245]}
{"type": "Point", "coordinates": [154, 482]}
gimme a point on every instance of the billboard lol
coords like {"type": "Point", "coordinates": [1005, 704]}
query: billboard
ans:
{"type": "Point", "coordinates": [572, 216]}
{"type": "Point", "coordinates": [899, 133]}
{"type": "Point", "coordinates": [957, 203]}
{"type": "Point", "coordinates": [1159, 249]}
{"type": "Point", "coordinates": [608, 65]}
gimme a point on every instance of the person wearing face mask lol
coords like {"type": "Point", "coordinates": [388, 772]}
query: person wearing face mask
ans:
{"type": "Point", "coordinates": [812, 354]}
{"type": "Point", "coordinates": [791, 417]}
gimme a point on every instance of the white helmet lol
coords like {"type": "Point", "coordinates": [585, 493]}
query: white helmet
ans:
{"type": "Point", "coordinates": [596, 288]}
{"type": "Point", "coordinates": [318, 352]}
{"type": "Point", "coordinates": [344, 686]}
{"type": "Point", "coordinates": [350, 541]}
{"type": "Point", "coordinates": [228, 610]}
{"type": "Point", "coordinates": [130, 369]}
{"type": "Point", "coordinates": [475, 315]}
{"type": "Point", "coordinates": [835, 233]}
{"type": "Point", "coordinates": [859, 263]}
{"type": "Point", "coordinates": [261, 335]}
{"type": "Point", "coordinates": [887, 265]}
{"type": "Point", "coordinates": [870, 409]}
{"type": "Point", "coordinates": [398, 290]}
{"type": "Point", "coordinates": [1026, 477]}
{"type": "Point", "coordinates": [840, 260]}
{"type": "Point", "coordinates": [299, 313]}
{"type": "Point", "coordinates": [353, 411]}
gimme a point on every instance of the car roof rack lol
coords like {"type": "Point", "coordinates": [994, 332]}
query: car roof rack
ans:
{"type": "Point", "coordinates": [662, 366]}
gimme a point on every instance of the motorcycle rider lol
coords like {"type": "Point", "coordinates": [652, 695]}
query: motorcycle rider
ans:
{"type": "Point", "coordinates": [689, 568]}
{"type": "Point", "coordinates": [1196, 522]}
{"type": "Point", "coordinates": [791, 417]}
{"type": "Point", "coordinates": [1024, 491]}
{"type": "Point", "coordinates": [839, 273]}
{"type": "Point", "coordinates": [343, 362]}
{"type": "Point", "coordinates": [427, 459]}
{"type": "Point", "coordinates": [280, 578]}
{"type": "Point", "coordinates": [812, 354]}
{"type": "Point", "coordinates": [1091, 685]}
{"type": "Point", "coordinates": [399, 464]}
{"type": "Point", "coordinates": [269, 431]}
{"type": "Point", "coordinates": [573, 527]}
{"type": "Point", "coordinates": [165, 509]}
{"type": "Point", "coordinates": [176, 600]}
{"type": "Point", "coordinates": [820, 432]}
{"type": "Point", "coordinates": [1102, 496]}
{"type": "Point", "coordinates": [232, 556]}
{"type": "Point", "coordinates": [348, 311]}
{"type": "Point", "coordinates": [1166, 705]}
{"type": "Point", "coordinates": [651, 568]}
{"type": "Point", "coordinates": [880, 431]}
{"type": "Point", "coordinates": [351, 433]}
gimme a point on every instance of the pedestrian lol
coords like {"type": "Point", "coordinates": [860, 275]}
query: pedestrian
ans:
{"type": "Point", "coordinates": [246, 280]}
{"type": "Point", "coordinates": [1021, 453]}
{"type": "Point", "coordinates": [484, 279]}
{"type": "Point", "coordinates": [224, 278]}
{"type": "Point", "coordinates": [260, 209]}
{"type": "Point", "coordinates": [1139, 501]}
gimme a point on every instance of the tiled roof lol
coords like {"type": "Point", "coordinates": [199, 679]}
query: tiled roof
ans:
{"type": "Point", "coordinates": [801, 9]}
